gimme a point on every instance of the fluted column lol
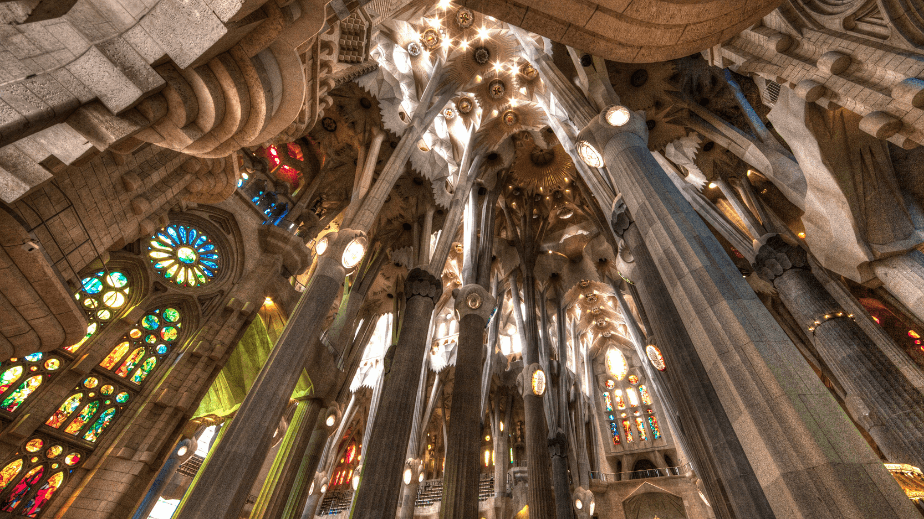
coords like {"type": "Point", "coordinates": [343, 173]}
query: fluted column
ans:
{"type": "Point", "coordinates": [787, 422]}
{"type": "Point", "coordinates": [879, 396]}
{"type": "Point", "coordinates": [384, 456]}
{"type": "Point", "coordinates": [223, 483]}
{"type": "Point", "coordinates": [296, 495]}
{"type": "Point", "coordinates": [460, 479]}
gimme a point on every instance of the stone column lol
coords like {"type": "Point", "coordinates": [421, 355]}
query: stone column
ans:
{"type": "Point", "coordinates": [540, 492]}
{"type": "Point", "coordinates": [903, 277]}
{"type": "Point", "coordinates": [181, 452]}
{"type": "Point", "coordinates": [879, 397]}
{"type": "Point", "coordinates": [275, 490]}
{"type": "Point", "coordinates": [384, 456]}
{"type": "Point", "coordinates": [460, 479]}
{"type": "Point", "coordinates": [222, 487]}
{"type": "Point", "coordinates": [298, 492]}
{"type": "Point", "coordinates": [784, 417]}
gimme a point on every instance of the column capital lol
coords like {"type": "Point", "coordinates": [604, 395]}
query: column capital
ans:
{"type": "Point", "coordinates": [421, 282]}
{"type": "Point", "coordinates": [473, 299]}
{"type": "Point", "coordinates": [620, 218]}
{"type": "Point", "coordinates": [344, 248]}
{"type": "Point", "coordinates": [775, 256]}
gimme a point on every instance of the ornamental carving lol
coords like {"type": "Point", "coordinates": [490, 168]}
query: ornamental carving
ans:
{"type": "Point", "coordinates": [775, 256]}
{"type": "Point", "coordinates": [421, 283]}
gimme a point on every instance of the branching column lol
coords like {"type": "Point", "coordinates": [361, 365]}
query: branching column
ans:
{"type": "Point", "coordinates": [383, 458]}
{"type": "Point", "coordinates": [782, 414]}
{"type": "Point", "coordinates": [879, 397]}
{"type": "Point", "coordinates": [223, 484]}
{"type": "Point", "coordinates": [460, 479]}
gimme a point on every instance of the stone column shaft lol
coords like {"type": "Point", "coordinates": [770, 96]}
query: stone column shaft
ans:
{"type": "Point", "coordinates": [460, 479]}
{"type": "Point", "coordinates": [298, 493]}
{"type": "Point", "coordinates": [879, 396]}
{"type": "Point", "coordinates": [222, 487]}
{"type": "Point", "coordinates": [384, 455]}
{"type": "Point", "coordinates": [275, 491]}
{"type": "Point", "coordinates": [903, 277]}
{"type": "Point", "coordinates": [768, 390]}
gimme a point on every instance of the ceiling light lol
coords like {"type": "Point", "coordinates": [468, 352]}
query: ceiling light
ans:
{"type": "Point", "coordinates": [617, 115]}
{"type": "Point", "coordinates": [589, 154]}
{"type": "Point", "coordinates": [321, 247]}
{"type": "Point", "coordinates": [353, 253]}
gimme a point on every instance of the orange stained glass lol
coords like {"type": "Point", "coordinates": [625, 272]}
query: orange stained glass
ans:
{"type": "Point", "coordinates": [627, 430]}
{"type": "Point", "coordinates": [117, 353]}
{"type": "Point", "coordinates": [295, 151]}
{"type": "Point", "coordinates": [646, 397]}
{"type": "Point", "coordinates": [9, 472]}
{"type": "Point", "coordinates": [640, 425]}
{"type": "Point", "coordinates": [44, 494]}
{"type": "Point", "coordinates": [9, 377]}
{"type": "Point", "coordinates": [620, 401]}
{"type": "Point", "coordinates": [130, 362]}
{"type": "Point", "coordinates": [58, 418]}
{"type": "Point", "coordinates": [19, 491]}
{"type": "Point", "coordinates": [17, 397]}
{"type": "Point", "coordinates": [85, 415]}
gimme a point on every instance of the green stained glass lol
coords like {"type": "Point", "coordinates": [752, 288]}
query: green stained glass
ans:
{"type": "Point", "coordinates": [169, 333]}
{"type": "Point", "coordinates": [150, 322]}
{"type": "Point", "coordinates": [92, 285]}
{"type": "Point", "coordinates": [35, 357]}
{"type": "Point", "coordinates": [117, 280]}
{"type": "Point", "coordinates": [86, 414]}
{"type": "Point", "coordinates": [67, 407]}
{"type": "Point", "coordinates": [52, 364]}
{"type": "Point", "coordinates": [150, 338]}
{"type": "Point", "coordinates": [130, 362]}
{"type": "Point", "coordinates": [143, 371]}
{"type": "Point", "coordinates": [186, 255]}
{"type": "Point", "coordinates": [161, 349]}
{"type": "Point", "coordinates": [9, 376]}
{"type": "Point", "coordinates": [122, 397]}
{"type": "Point", "coordinates": [106, 390]}
{"type": "Point", "coordinates": [17, 397]}
{"type": "Point", "coordinates": [91, 382]}
{"type": "Point", "coordinates": [93, 433]}
{"type": "Point", "coordinates": [171, 315]}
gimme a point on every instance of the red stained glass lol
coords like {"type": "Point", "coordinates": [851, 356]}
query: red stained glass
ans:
{"type": "Point", "coordinates": [273, 155]}
{"type": "Point", "coordinates": [15, 497]}
{"type": "Point", "coordinates": [44, 494]}
{"type": "Point", "coordinates": [288, 174]}
{"type": "Point", "coordinates": [295, 151]}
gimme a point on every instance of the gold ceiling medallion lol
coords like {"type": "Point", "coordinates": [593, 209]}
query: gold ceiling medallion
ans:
{"type": "Point", "coordinates": [511, 118]}
{"type": "Point", "coordinates": [465, 105]}
{"type": "Point", "coordinates": [430, 39]}
{"type": "Point", "coordinates": [465, 18]}
{"type": "Point", "coordinates": [497, 89]}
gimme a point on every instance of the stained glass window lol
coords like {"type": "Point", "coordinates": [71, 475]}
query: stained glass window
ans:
{"type": "Point", "coordinates": [640, 425]}
{"type": "Point", "coordinates": [615, 430]}
{"type": "Point", "coordinates": [633, 397]}
{"type": "Point", "coordinates": [633, 379]}
{"type": "Point", "coordinates": [654, 355]}
{"type": "Point", "coordinates": [184, 255]}
{"type": "Point", "coordinates": [655, 430]}
{"type": "Point", "coordinates": [646, 398]}
{"type": "Point", "coordinates": [607, 401]}
{"type": "Point", "coordinates": [29, 480]}
{"type": "Point", "coordinates": [149, 341]}
{"type": "Point", "coordinates": [87, 412]}
{"type": "Point", "coordinates": [21, 377]}
{"type": "Point", "coordinates": [609, 384]}
{"type": "Point", "coordinates": [616, 363]}
{"type": "Point", "coordinates": [102, 296]}
{"type": "Point", "coordinates": [627, 430]}
{"type": "Point", "coordinates": [620, 402]}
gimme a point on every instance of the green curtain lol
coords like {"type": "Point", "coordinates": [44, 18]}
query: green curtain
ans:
{"type": "Point", "coordinates": [239, 373]}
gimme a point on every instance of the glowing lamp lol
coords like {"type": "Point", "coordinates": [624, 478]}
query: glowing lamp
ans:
{"type": "Point", "coordinates": [353, 253]}
{"type": "Point", "coordinates": [331, 420]}
{"type": "Point", "coordinates": [324, 488]}
{"type": "Point", "coordinates": [578, 504]}
{"type": "Point", "coordinates": [408, 475]}
{"type": "Point", "coordinates": [538, 382]}
{"type": "Point", "coordinates": [420, 478]}
{"type": "Point", "coordinates": [654, 355]}
{"type": "Point", "coordinates": [355, 482]}
{"type": "Point", "coordinates": [182, 451]}
{"type": "Point", "coordinates": [589, 154]}
{"type": "Point", "coordinates": [617, 116]}
{"type": "Point", "coordinates": [321, 247]}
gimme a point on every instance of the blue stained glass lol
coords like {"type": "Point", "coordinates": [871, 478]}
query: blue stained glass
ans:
{"type": "Point", "coordinates": [161, 349]}
{"type": "Point", "coordinates": [209, 264]}
{"type": "Point", "coordinates": [35, 357]}
{"type": "Point", "coordinates": [172, 232]}
{"type": "Point", "coordinates": [92, 285]}
{"type": "Point", "coordinates": [192, 235]}
{"type": "Point", "coordinates": [165, 237]}
{"type": "Point", "coordinates": [182, 234]}
{"type": "Point", "coordinates": [205, 248]}
{"type": "Point", "coordinates": [202, 240]}
{"type": "Point", "coordinates": [209, 255]}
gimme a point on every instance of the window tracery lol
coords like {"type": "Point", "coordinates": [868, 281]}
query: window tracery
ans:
{"type": "Point", "coordinates": [102, 295]}
{"type": "Point", "coordinates": [31, 478]}
{"type": "Point", "coordinates": [20, 378]}
{"type": "Point", "coordinates": [140, 350]}
{"type": "Point", "coordinates": [184, 255]}
{"type": "Point", "coordinates": [91, 407]}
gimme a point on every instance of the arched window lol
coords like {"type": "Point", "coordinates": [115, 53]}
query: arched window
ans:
{"type": "Point", "coordinates": [616, 363]}
{"type": "Point", "coordinates": [184, 255]}
{"type": "Point", "coordinates": [144, 346]}
{"type": "Point", "coordinates": [89, 409]}
{"type": "Point", "coordinates": [102, 295]}
{"type": "Point", "coordinates": [343, 474]}
{"type": "Point", "coordinates": [30, 479]}
{"type": "Point", "coordinates": [19, 378]}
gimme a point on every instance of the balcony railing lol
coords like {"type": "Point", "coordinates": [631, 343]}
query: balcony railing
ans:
{"type": "Point", "coordinates": [642, 474]}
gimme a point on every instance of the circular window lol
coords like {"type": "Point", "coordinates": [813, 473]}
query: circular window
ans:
{"type": "Point", "coordinates": [184, 255]}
